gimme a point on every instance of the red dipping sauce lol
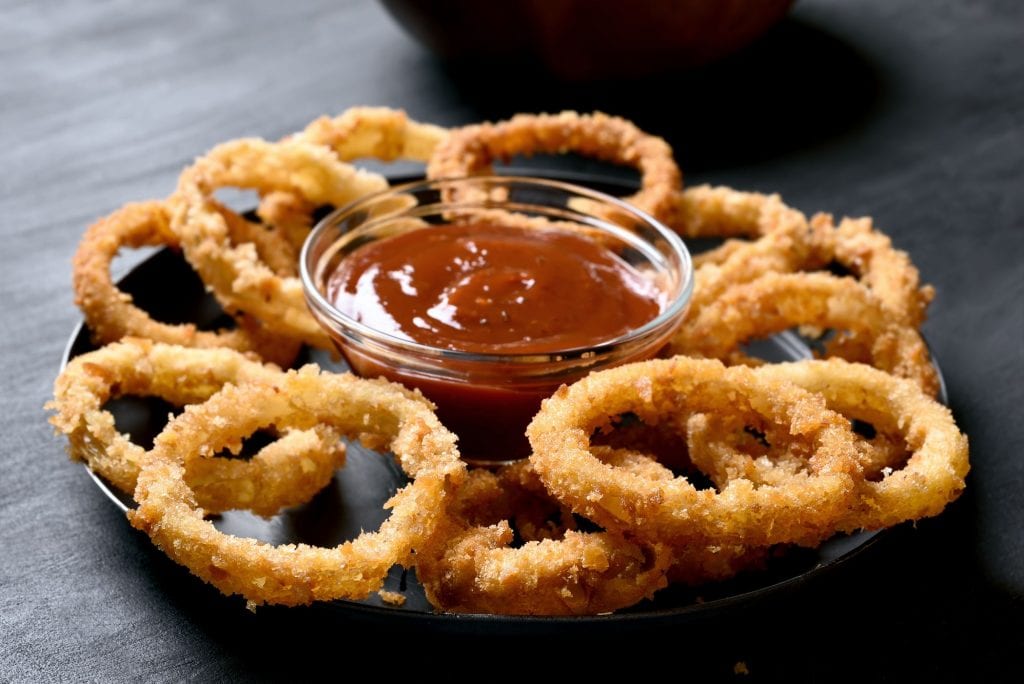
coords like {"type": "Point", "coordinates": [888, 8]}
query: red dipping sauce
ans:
{"type": "Point", "coordinates": [493, 290]}
{"type": "Point", "coordinates": [489, 289]}
{"type": "Point", "coordinates": [487, 293]}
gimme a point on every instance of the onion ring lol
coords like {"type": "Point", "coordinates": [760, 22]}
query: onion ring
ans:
{"type": "Point", "coordinates": [891, 493]}
{"type": "Point", "coordinates": [284, 473]}
{"type": "Point", "coordinates": [887, 272]}
{"type": "Point", "coordinates": [289, 214]}
{"type": "Point", "coordinates": [776, 302]}
{"type": "Point", "coordinates": [675, 512]}
{"type": "Point", "coordinates": [298, 574]}
{"type": "Point", "coordinates": [472, 150]}
{"type": "Point", "coordinates": [235, 273]}
{"type": "Point", "coordinates": [280, 255]}
{"type": "Point", "coordinates": [726, 448]}
{"type": "Point", "coordinates": [692, 564]}
{"type": "Point", "coordinates": [706, 211]}
{"type": "Point", "coordinates": [377, 132]}
{"type": "Point", "coordinates": [934, 474]}
{"type": "Point", "coordinates": [580, 574]}
{"type": "Point", "coordinates": [786, 240]}
{"type": "Point", "coordinates": [472, 567]}
{"type": "Point", "coordinates": [111, 315]}
{"type": "Point", "coordinates": [357, 133]}
{"type": "Point", "coordinates": [558, 570]}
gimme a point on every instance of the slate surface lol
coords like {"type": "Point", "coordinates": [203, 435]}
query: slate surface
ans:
{"type": "Point", "coordinates": [910, 112]}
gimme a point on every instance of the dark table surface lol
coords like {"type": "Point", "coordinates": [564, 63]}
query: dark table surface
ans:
{"type": "Point", "coordinates": [911, 112]}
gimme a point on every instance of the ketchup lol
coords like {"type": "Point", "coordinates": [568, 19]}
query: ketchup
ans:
{"type": "Point", "coordinates": [494, 290]}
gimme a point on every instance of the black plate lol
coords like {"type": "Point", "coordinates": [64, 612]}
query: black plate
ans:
{"type": "Point", "coordinates": [166, 286]}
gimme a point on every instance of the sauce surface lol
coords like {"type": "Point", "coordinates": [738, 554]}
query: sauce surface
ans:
{"type": "Point", "coordinates": [493, 289]}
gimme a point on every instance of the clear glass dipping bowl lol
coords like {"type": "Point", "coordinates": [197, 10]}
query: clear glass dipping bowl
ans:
{"type": "Point", "coordinates": [489, 399]}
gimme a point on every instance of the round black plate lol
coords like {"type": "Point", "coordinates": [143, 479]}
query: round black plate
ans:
{"type": "Point", "coordinates": [166, 286]}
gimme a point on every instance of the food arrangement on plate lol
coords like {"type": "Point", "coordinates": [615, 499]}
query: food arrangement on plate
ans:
{"type": "Point", "coordinates": [574, 400]}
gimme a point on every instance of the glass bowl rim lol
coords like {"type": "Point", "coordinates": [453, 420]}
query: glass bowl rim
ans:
{"type": "Point", "coordinates": [674, 310]}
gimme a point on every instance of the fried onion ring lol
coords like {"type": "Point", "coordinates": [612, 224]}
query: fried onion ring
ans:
{"type": "Point", "coordinates": [779, 301]}
{"type": "Point", "coordinates": [298, 574]}
{"type": "Point", "coordinates": [284, 473]}
{"type": "Point", "coordinates": [472, 150]}
{"type": "Point", "coordinates": [357, 133]}
{"type": "Point", "coordinates": [235, 273]}
{"type": "Point", "coordinates": [558, 570]}
{"type": "Point", "coordinates": [888, 272]}
{"type": "Point", "coordinates": [895, 488]}
{"type": "Point", "coordinates": [855, 244]}
{"type": "Point", "coordinates": [675, 512]}
{"type": "Point", "coordinates": [375, 132]}
{"type": "Point", "coordinates": [706, 211]}
{"type": "Point", "coordinates": [579, 574]}
{"type": "Point", "coordinates": [934, 474]}
{"type": "Point", "coordinates": [692, 564]}
{"type": "Point", "coordinates": [785, 240]}
{"type": "Point", "coordinates": [472, 566]}
{"type": "Point", "coordinates": [291, 215]}
{"type": "Point", "coordinates": [111, 315]}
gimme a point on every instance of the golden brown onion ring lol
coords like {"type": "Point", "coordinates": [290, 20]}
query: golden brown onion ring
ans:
{"type": "Point", "coordinates": [779, 301]}
{"type": "Point", "coordinates": [298, 574]}
{"type": "Point", "coordinates": [237, 276]}
{"type": "Point", "coordinates": [727, 448]}
{"type": "Point", "coordinates": [472, 150]}
{"type": "Point", "coordinates": [888, 272]}
{"type": "Point", "coordinates": [358, 133]}
{"type": "Point", "coordinates": [706, 211]}
{"type": "Point", "coordinates": [933, 475]}
{"type": "Point", "coordinates": [785, 240]}
{"type": "Point", "coordinates": [558, 570]}
{"type": "Point", "coordinates": [692, 564]}
{"type": "Point", "coordinates": [375, 132]}
{"type": "Point", "coordinates": [111, 315]}
{"type": "Point", "coordinates": [803, 511]}
{"type": "Point", "coordinates": [284, 473]}
{"type": "Point", "coordinates": [579, 574]}
{"type": "Point", "coordinates": [472, 567]}
{"type": "Point", "coordinates": [855, 244]}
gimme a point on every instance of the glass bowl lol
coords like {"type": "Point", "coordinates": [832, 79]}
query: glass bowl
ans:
{"type": "Point", "coordinates": [488, 399]}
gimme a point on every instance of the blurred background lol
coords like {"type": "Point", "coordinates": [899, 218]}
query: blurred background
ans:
{"type": "Point", "coordinates": [587, 39]}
